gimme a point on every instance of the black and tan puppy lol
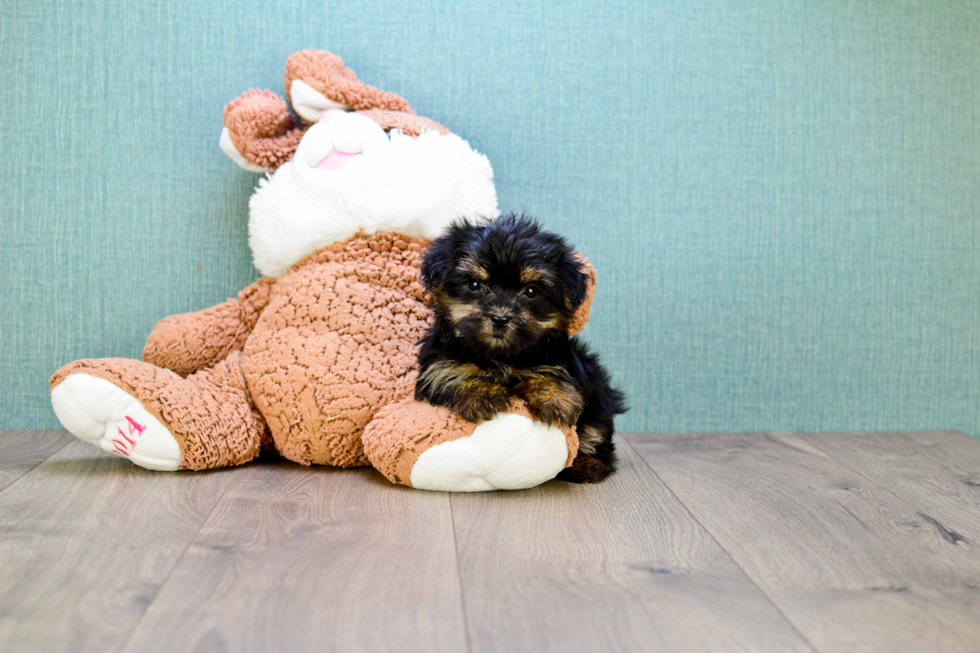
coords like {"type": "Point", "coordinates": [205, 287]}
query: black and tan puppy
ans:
{"type": "Point", "coordinates": [506, 291]}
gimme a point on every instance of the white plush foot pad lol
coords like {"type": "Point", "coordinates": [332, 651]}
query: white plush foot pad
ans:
{"type": "Point", "coordinates": [509, 452]}
{"type": "Point", "coordinates": [100, 413]}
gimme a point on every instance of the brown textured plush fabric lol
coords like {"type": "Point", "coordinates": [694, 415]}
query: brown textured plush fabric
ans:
{"type": "Point", "coordinates": [209, 413]}
{"type": "Point", "coordinates": [326, 73]}
{"type": "Point", "coordinates": [324, 347]}
{"type": "Point", "coordinates": [335, 344]}
{"type": "Point", "coordinates": [190, 342]}
{"type": "Point", "coordinates": [402, 430]}
{"type": "Point", "coordinates": [262, 129]}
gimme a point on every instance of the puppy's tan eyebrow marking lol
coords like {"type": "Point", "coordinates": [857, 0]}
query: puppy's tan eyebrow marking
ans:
{"type": "Point", "coordinates": [471, 267]}
{"type": "Point", "coordinates": [529, 274]}
{"type": "Point", "coordinates": [458, 310]}
{"type": "Point", "coordinates": [549, 323]}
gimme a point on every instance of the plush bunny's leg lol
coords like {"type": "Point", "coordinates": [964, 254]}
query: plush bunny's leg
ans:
{"type": "Point", "coordinates": [98, 412]}
{"type": "Point", "coordinates": [430, 448]}
{"type": "Point", "coordinates": [157, 419]}
{"type": "Point", "coordinates": [190, 342]}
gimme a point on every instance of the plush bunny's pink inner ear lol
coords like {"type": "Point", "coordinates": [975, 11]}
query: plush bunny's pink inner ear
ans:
{"type": "Point", "coordinates": [581, 317]}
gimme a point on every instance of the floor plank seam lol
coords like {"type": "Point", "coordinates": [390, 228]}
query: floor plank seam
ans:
{"type": "Point", "coordinates": [190, 542]}
{"type": "Point", "coordinates": [921, 510]}
{"type": "Point", "coordinates": [459, 579]}
{"type": "Point", "coordinates": [34, 468]}
{"type": "Point", "coordinates": [768, 598]}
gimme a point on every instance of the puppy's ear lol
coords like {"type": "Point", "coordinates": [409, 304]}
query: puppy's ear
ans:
{"type": "Point", "coordinates": [440, 257]}
{"type": "Point", "coordinates": [437, 263]}
{"type": "Point", "coordinates": [586, 274]}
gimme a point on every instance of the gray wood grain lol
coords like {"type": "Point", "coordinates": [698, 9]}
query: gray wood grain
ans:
{"type": "Point", "coordinates": [619, 566]}
{"type": "Point", "coordinates": [22, 451]}
{"type": "Point", "coordinates": [859, 542]}
{"type": "Point", "coordinates": [86, 541]}
{"type": "Point", "coordinates": [854, 567]}
{"type": "Point", "coordinates": [314, 559]}
{"type": "Point", "coordinates": [938, 471]}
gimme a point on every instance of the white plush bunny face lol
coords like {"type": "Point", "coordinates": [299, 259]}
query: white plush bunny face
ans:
{"type": "Point", "coordinates": [348, 175]}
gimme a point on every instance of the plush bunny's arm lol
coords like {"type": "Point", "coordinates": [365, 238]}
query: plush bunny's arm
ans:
{"type": "Point", "coordinates": [194, 341]}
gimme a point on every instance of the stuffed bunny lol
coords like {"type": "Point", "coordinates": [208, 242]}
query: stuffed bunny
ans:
{"type": "Point", "coordinates": [316, 361]}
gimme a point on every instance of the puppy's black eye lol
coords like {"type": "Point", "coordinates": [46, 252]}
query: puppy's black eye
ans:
{"type": "Point", "coordinates": [474, 285]}
{"type": "Point", "coordinates": [531, 292]}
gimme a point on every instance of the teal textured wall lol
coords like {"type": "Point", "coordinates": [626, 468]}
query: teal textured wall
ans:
{"type": "Point", "coordinates": [781, 198]}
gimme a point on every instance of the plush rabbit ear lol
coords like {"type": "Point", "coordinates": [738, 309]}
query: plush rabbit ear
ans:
{"type": "Point", "coordinates": [318, 80]}
{"type": "Point", "coordinates": [259, 133]}
{"type": "Point", "coordinates": [581, 317]}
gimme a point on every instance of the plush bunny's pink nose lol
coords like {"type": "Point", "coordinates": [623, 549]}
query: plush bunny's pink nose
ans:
{"type": "Point", "coordinates": [330, 115]}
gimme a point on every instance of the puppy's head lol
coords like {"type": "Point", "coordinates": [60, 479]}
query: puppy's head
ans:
{"type": "Point", "coordinates": [504, 285]}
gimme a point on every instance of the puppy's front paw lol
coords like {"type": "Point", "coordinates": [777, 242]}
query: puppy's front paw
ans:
{"type": "Point", "coordinates": [586, 469]}
{"type": "Point", "coordinates": [551, 402]}
{"type": "Point", "coordinates": [484, 405]}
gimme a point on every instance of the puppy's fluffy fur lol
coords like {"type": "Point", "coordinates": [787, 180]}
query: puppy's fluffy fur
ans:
{"type": "Point", "coordinates": [506, 291]}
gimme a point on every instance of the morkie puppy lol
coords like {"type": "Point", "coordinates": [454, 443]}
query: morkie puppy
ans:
{"type": "Point", "coordinates": [505, 293]}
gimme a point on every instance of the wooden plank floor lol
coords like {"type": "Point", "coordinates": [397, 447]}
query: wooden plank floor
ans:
{"type": "Point", "coordinates": [708, 542]}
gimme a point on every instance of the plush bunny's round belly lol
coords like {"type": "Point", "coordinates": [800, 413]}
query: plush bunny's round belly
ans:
{"type": "Point", "coordinates": [336, 343]}
{"type": "Point", "coordinates": [317, 360]}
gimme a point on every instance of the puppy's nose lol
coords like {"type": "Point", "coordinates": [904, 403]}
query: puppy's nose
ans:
{"type": "Point", "coordinates": [500, 319]}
